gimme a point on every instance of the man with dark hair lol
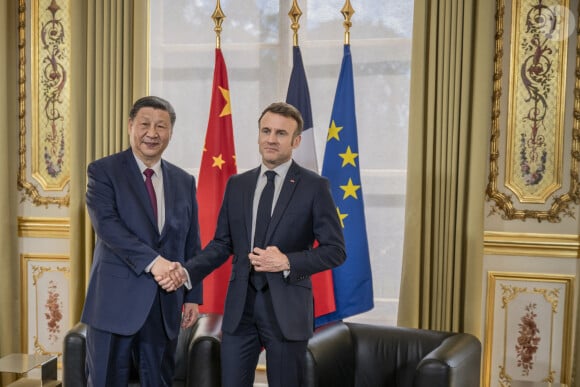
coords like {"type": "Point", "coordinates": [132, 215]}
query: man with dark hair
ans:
{"type": "Point", "coordinates": [269, 220]}
{"type": "Point", "coordinates": [144, 213]}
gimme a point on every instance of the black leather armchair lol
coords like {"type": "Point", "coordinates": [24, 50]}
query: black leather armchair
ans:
{"type": "Point", "coordinates": [360, 355]}
{"type": "Point", "coordinates": [197, 356]}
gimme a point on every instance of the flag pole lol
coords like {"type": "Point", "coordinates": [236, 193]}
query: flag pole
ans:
{"type": "Point", "coordinates": [218, 17]}
{"type": "Point", "coordinates": [294, 14]}
{"type": "Point", "coordinates": [347, 11]}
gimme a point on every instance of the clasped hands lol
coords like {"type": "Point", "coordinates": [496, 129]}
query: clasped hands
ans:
{"type": "Point", "coordinates": [169, 275]}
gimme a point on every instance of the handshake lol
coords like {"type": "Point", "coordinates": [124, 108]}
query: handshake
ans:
{"type": "Point", "coordinates": [169, 275]}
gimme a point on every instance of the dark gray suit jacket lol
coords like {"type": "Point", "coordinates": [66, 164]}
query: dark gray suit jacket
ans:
{"type": "Point", "coordinates": [305, 212]}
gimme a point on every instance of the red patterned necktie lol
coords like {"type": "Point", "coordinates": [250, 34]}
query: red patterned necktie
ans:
{"type": "Point", "coordinates": [150, 190]}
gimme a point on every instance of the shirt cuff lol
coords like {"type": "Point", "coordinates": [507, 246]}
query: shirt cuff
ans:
{"type": "Point", "coordinates": [187, 283]}
{"type": "Point", "coordinates": [148, 267]}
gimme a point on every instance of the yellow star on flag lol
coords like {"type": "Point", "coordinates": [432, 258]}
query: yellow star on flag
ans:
{"type": "Point", "coordinates": [218, 161]}
{"type": "Point", "coordinates": [350, 189]}
{"type": "Point", "coordinates": [341, 216]}
{"type": "Point", "coordinates": [348, 157]}
{"type": "Point", "coordinates": [227, 110]}
{"type": "Point", "coordinates": [333, 131]}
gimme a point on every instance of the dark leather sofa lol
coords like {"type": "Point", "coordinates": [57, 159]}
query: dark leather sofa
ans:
{"type": "Point", "coordinates": [197, 359]}
{"type": "Point", "coordinates": [360, 355]}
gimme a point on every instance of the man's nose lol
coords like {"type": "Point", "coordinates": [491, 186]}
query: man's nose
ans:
{"type": "Point", "coordinates": [152, 131]}
{"type": "Point", "coordinates": [271, 137]}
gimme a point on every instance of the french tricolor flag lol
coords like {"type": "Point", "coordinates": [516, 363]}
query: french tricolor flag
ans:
{"type": "Point", "coordinates": [305, 155]}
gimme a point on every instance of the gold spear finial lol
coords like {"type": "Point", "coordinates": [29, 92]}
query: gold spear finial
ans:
{"type": "Point", "coordinates": [218, 17]}
{"type": "Point", "coordinates": [347, 11]}
{"type": "Point", "coordinates": [294, 15]}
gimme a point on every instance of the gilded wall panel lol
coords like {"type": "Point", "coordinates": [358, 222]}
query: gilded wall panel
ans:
{"type": "Point", "coordinates": [528, 334]}
{"type": "Point", "coordinates": [45, 280]}
{"type": "Point", "coordinates": [44, 170]}
{"type": "Point", "coordinates": [533, 168]}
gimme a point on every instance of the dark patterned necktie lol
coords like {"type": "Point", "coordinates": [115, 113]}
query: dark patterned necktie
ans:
{"type": "Point", "coordinates": [264, 211]}
{"type": "Point", "coordinates": [263, 216]}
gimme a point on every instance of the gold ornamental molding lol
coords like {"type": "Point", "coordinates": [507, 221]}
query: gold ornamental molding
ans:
{"type": "Point", "coordinates": [528, 244]}
{"type": "Point", "coordinates": [48, 158]}
{"type": "Point", "coordinates": [34, 227]}
{"type": "Point", "coordinates": [533, 132]}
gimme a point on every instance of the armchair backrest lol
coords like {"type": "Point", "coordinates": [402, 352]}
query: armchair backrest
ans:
{"type": "Point", "coordinates": [361, 355]}
{"type": "Point", "coordinates": [197, 361]}
{"type": "Point", "coordinates": [389, 356]}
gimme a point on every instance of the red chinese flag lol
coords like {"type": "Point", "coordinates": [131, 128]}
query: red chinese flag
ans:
{"type": "Point", "coordinates": [218, 163]}
{"type": "Point", "coordinates": [323, 292]}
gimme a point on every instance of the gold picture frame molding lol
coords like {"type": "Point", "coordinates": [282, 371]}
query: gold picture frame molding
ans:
{"type": "Point", "coordinates": [503, 204]}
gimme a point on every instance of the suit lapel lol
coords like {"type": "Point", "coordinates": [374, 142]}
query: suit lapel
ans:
{"type": "Point", "coordinates": [248, 200]}
{"type": "Point", "coordinates": [288, 187]}
{"type": "Point", "coordinates": [169, 195]}
{"type": "Point", "coordinates": [136, 183]}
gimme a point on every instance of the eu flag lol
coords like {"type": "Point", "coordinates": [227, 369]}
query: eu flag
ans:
{"type": "Point", "coordinates": [353, 286]}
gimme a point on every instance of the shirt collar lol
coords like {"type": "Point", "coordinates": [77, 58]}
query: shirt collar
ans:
{"type": "Point", "coordinates": [142, 167]}
{"type": "Point", "coordinates": [281, 170]}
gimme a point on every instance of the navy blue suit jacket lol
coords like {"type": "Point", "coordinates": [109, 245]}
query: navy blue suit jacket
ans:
{"type": "Point", "coordinates": [305, 212]}
{"type": "Point", "coordinates": [120, 292]}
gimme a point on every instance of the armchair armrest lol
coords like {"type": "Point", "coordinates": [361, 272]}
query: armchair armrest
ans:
{"type": "Point", "coordinates": [456, 362]}
{"type": "Point", "coordinates": [204, 364]}
{"type": "Point", "coordinates": [73, 356]}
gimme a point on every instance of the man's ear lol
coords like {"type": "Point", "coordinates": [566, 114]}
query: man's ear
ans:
{"type": "Point", "coordinates": [297, 141]}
